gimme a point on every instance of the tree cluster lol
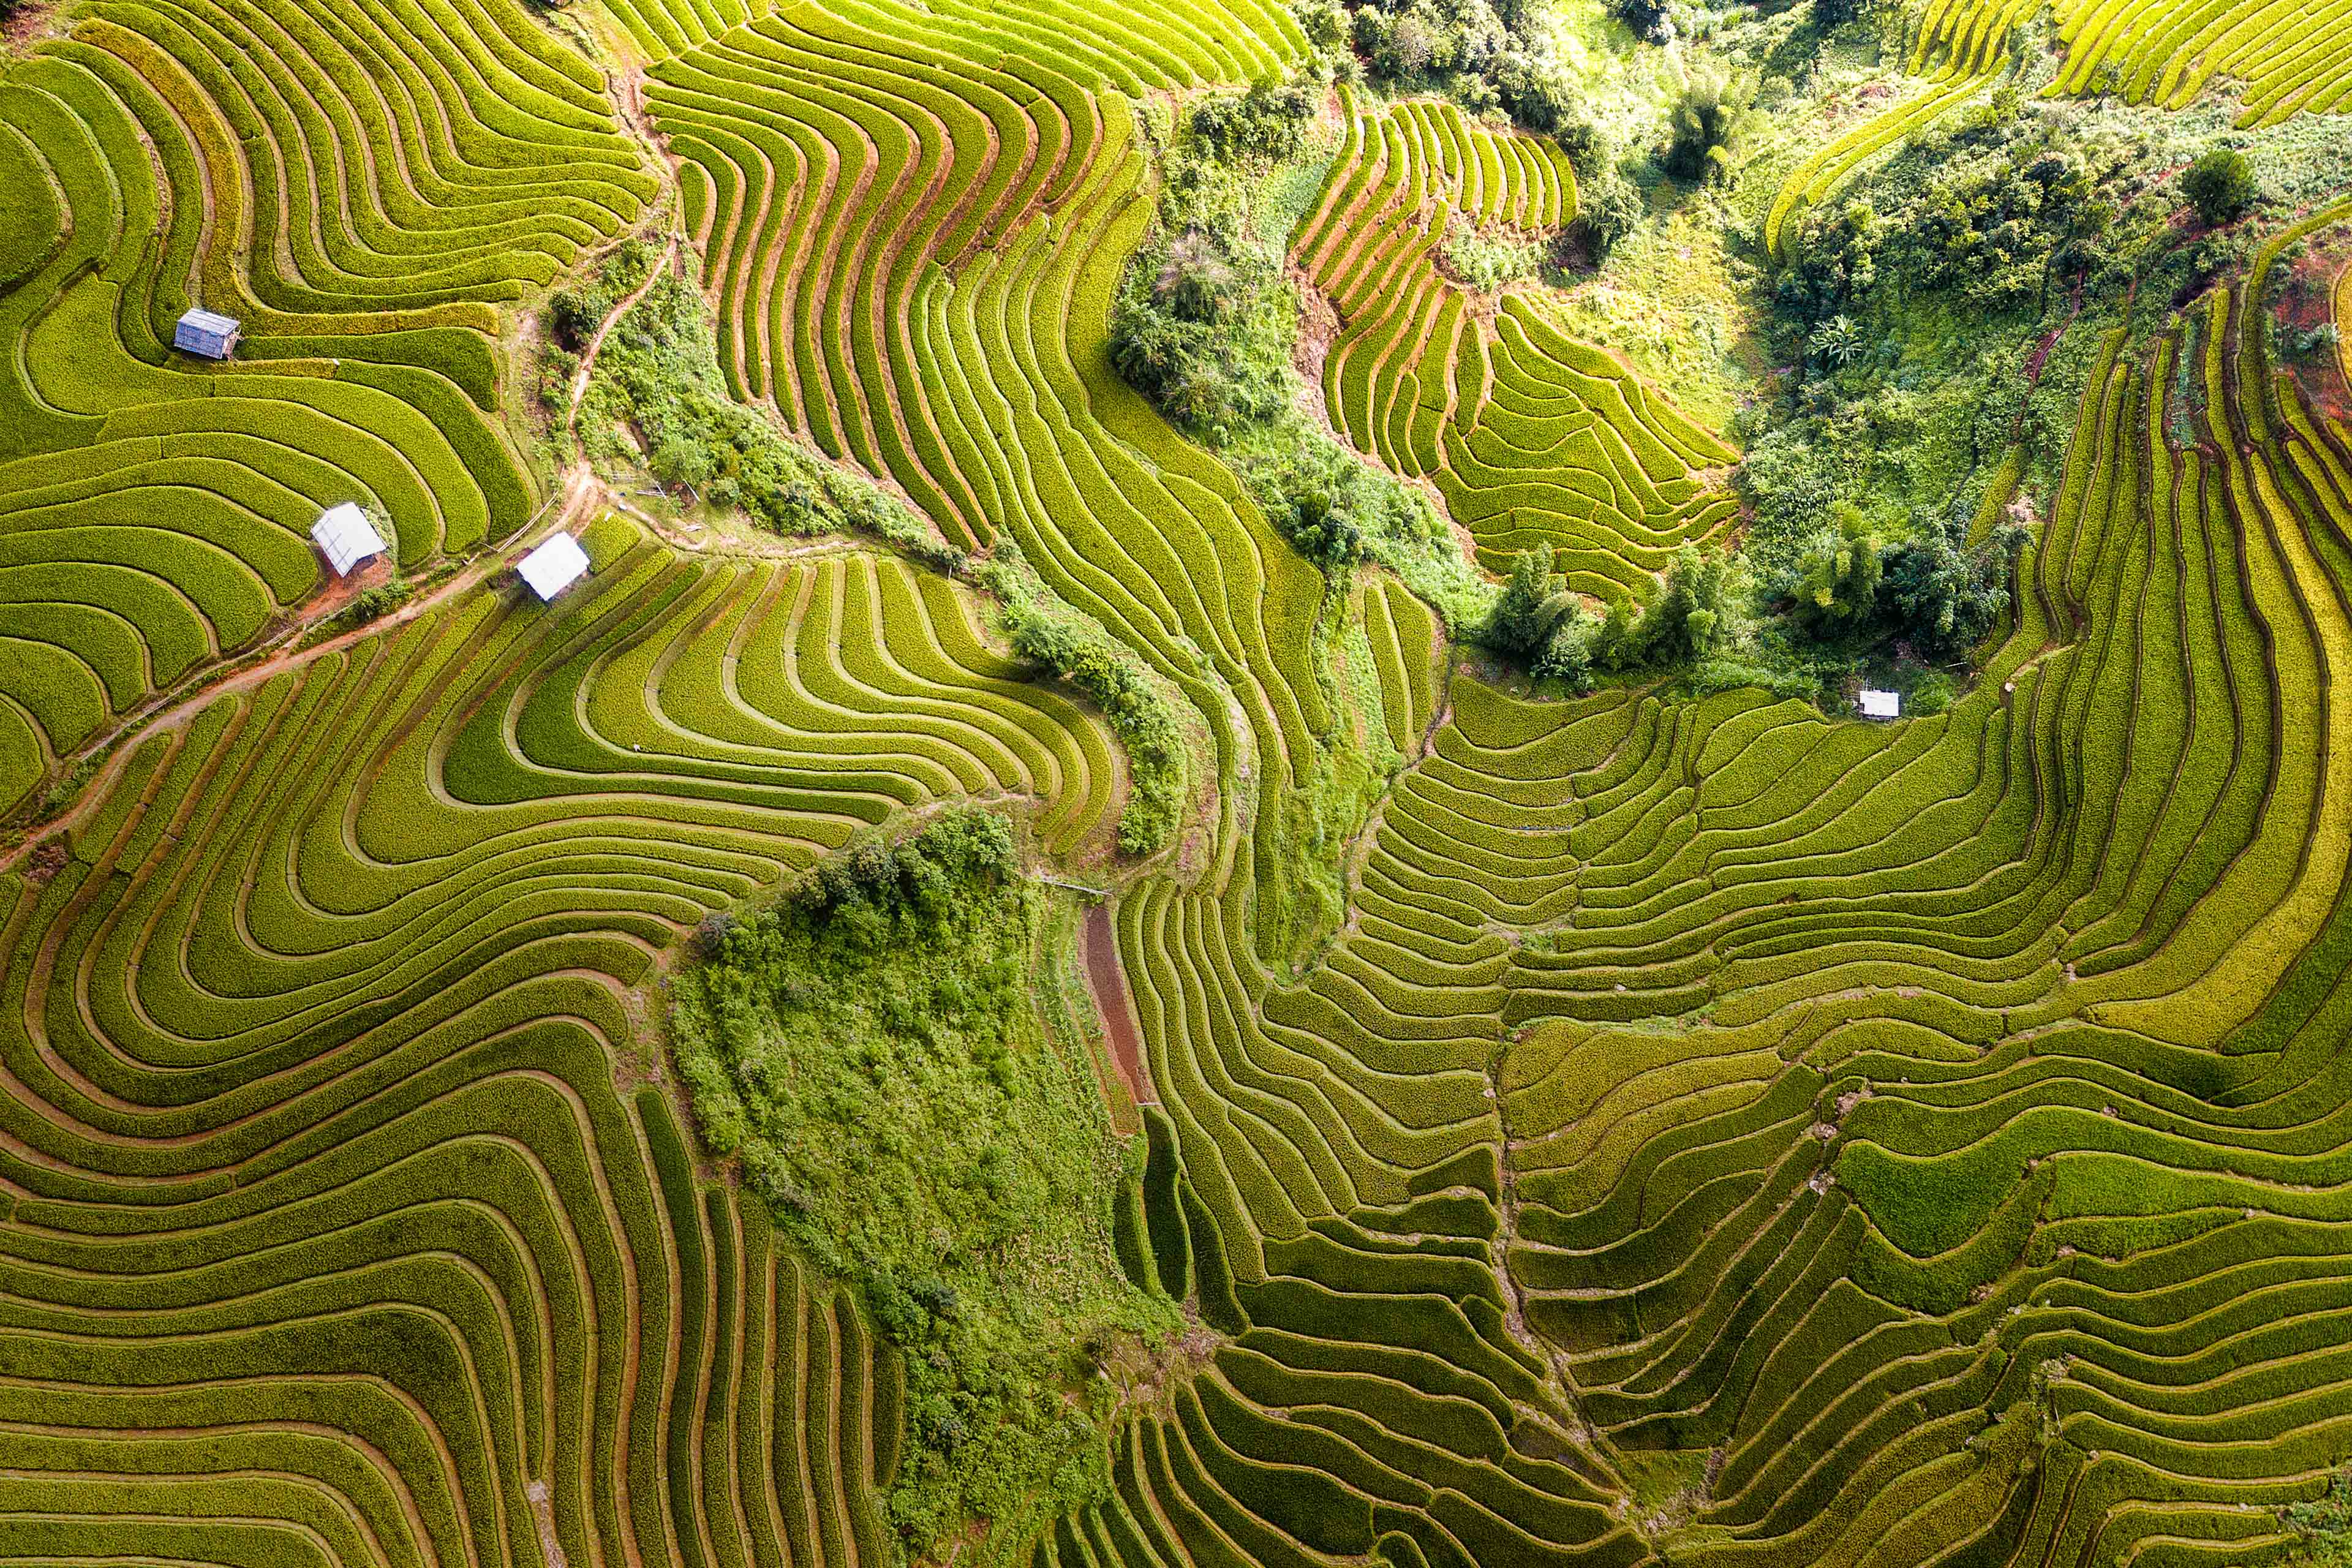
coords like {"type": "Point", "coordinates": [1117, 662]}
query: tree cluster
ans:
{"type": "Point", "coordinates": [1334, 509]}
{"type": "Point", "coordinates": [918, 877]}
{"type": "Point", "coordinates": [1204, 318]}
{"type": "Point", "coordinates": [1933, 595]}
{"type": "Point", "coordinates": [1538, 622]}
{"type": "Point", "coordinates": [1264, 124]}
{"type": "Point", "coordinates": [1848, 595]}
{"type": "Point", "coordinates": [1998, 216]}
{"type": "Point", "coordinates": [1485, 54]}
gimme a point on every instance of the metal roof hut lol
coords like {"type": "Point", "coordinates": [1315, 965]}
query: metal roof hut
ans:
{"type": "Point", "coordinates": [206, 333]}
{"type": "Point", "coordinates": [346, 538]}
{"type": "Point", "coordinates": [1877, 704]}
{"type": "Point", "coordinates": [555, 566]}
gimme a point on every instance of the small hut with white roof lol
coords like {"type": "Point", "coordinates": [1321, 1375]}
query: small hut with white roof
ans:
{"type": "Point", "coordinates": [346, 538]}
{"type": "Point", "coordinates": [555, 566]}
{"type": "Point", "coordinates": [206, 333]}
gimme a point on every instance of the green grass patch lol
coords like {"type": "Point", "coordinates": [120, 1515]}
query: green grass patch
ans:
{"type": "Point", "coordinates": [869, 1049]}
{"type": "Point", "coordinates": [1675, 302]}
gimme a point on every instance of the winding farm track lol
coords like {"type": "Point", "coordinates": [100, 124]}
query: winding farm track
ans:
{"type": "Point", "coordinates": [1921, 1143]}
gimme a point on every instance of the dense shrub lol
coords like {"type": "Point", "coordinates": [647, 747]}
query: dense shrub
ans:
{"type": "Point", "coordinates": [1203, 327]}
{"type": "Point", "coordinates": [1332, 506]}
{"type": "Point", "coordinates": [1486, 54]}
{"type": "Point", "coordinates": [1266, 125]}
{"type": "Point", "coordinates": [1703, 129]}
{"type": "Point", "coordinates": [374, 603]}
{"type": "Point", "coordinates": [2324, 1524]}
{"type": "Point", "coordinates": [1486, 259]}
{"type": "Point", "coordinates": [571, 318]}
{"type": "Point", "coordinates": [2219, 186]}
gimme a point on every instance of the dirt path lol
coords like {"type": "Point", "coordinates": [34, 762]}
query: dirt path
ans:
{"type": "Point", "coordinates": [580, 493]}
{"type": "Point", "coordinates": [1108, 981]}
{"type": "Point", "coordinates": [153, 718]}
{"type": "Point", "coordinates": [595, 344]}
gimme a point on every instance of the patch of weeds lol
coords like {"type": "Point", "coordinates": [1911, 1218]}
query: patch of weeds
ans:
{"type": "Point", "coordinates": [870, 1050]}
{"type": "Point", "coordinates": [658, 402]}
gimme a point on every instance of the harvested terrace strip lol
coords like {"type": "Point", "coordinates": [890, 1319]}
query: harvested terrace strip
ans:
{"type": "Point", "coordinates": [1530, 437]}
{"type": "Point", "coordinates": [317, 1165]}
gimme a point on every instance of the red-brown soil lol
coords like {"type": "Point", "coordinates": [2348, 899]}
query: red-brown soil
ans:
{"type": "Point", "coordinates": [1108, 981]}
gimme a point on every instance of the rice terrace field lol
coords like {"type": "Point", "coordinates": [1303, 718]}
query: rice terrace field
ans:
{"type": "Point", "coordinates": [1215, 784]}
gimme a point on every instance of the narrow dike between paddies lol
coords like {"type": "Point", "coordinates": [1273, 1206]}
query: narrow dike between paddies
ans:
{"type": "Point", "coordinates": [1107, 980]}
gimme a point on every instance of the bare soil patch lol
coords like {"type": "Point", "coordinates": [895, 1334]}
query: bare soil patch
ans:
{"type": "Point", "coordinates": [1108, 981]}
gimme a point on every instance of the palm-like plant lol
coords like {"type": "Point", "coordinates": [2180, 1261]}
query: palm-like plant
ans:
{"type": "Point", "coordinates": [1839, 341]}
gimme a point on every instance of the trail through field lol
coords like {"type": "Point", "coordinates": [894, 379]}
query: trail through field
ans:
{"type": "Point", "coordinates": [242, 678]}
{"type": "Point", "coordinates": [595, 344]}
{"type": "Point", "coordinates": [1108, 981]}
{"type": "Point", "coordinates": [580, 493]}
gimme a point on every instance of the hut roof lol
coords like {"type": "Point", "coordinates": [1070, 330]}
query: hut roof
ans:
{"type": "Point", "coordinates": [554, 565]}
{"type": "Point", "coordinates": [346, 538]}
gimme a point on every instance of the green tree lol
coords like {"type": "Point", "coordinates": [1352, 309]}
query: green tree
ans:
{"type": "Point", "coordinates": [2219, 186]}
{"type": "Point", "coordinates": [1704, 130]}
{"type": "Point", "coordinates": [1616, 643]}
{"type": "Point", "coordinates": [1839, 341]}
{"type": "Point", "coordinates": [1836, 588]}
{"type": "Point", "coordinates": [1942, 599]}
{"type": "Point", "coordinates": [1696, 616]}
{"type": "Point", "coordinates": [1648, 18]}
{"type": "Point", "coordinates": [1525, 613]}
{"type": "Point", "coordinates": [1608, 205]}
{"type": "Point", "coordinates": [1567, 655]}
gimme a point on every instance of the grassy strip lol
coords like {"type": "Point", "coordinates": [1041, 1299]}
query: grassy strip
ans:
{"type": "Point", "coordinates": [659, 402]}
{"type": "Point", "coordinates": [1046, 629]}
